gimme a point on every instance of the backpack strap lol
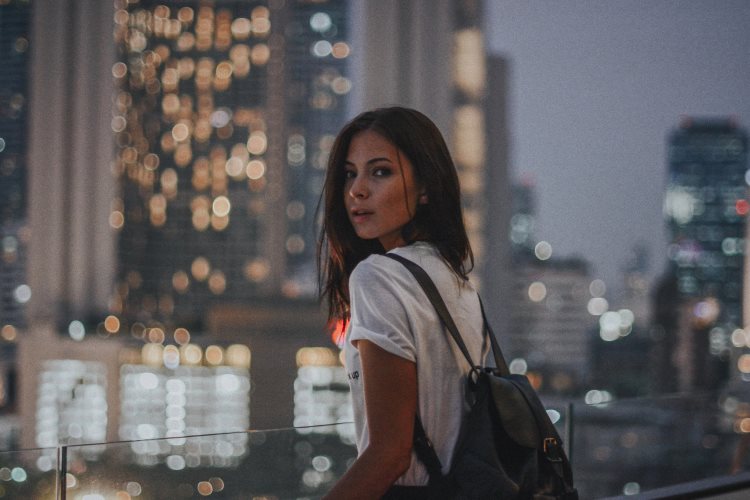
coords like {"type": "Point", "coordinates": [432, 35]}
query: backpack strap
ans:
{"type": "Point", "coordinates": [426, 452]}
{"type": "Point", "coordinates": [497, 353]}
{"type": "Point", "coordinates": [433, 295]}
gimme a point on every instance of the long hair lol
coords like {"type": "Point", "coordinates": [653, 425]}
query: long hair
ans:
{"type": "Point", "coordinates": [439, 221]}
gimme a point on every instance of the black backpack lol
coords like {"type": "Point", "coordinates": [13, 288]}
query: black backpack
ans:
{"type": "Point", "coordinates": [507, 447]}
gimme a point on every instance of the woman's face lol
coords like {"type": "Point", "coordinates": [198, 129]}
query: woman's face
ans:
{"type": "Point", "coordinates": [380, 191]}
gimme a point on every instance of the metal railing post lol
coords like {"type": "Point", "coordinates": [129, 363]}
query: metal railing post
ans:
{"type": "Point", "coordinates": [568, 430]}
{"type": "Point", "coordinates": [62, 460]}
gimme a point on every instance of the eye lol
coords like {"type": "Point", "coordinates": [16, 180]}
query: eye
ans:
{"type": "Point", "coordinates": [350, 174]}
{"type": "Point", "coordinates": [382, 172]}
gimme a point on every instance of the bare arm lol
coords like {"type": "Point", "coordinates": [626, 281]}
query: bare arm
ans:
{"type": "Point", "coordinates": [390, 386]}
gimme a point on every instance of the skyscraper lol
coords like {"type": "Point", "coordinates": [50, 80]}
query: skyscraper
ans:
{"type": "Point", "coordinates": [15, 19]}
{"type": "Point", "coordinates": [706, 206]}
{"type": "Point", "coordinates": [14, 44]}
{"type": "Point", "coordinates": [225, 118]}
{"type": "Point", "coordinates": [550, 327]}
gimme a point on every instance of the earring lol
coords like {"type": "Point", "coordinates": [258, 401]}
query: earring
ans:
{"type": "Point", "coordinates": [423, 199]}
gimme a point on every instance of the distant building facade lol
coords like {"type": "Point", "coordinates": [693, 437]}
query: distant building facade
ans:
{"type": "Point", "coordinates": [623, 361]}
{"type": "Point", "coordinates": [550, 326]}
{"type": "Point", "coordinates": [226, 115]}
{"type": "Point", "coordinates": [706, 208]}
{"type": "Point", "coordinates": [15, 18]}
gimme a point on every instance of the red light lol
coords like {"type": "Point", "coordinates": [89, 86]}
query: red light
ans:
{"type": "Point", "coordinates": [742, 207]}
{"type": "Point", "coordinates": [338, 332]}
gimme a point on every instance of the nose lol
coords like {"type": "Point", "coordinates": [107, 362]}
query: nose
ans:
{"type": "Point", "coordinates": [358, 187]}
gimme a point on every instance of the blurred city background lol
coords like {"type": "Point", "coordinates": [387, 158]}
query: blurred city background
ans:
{"type": "Point", "coordinates": [160, 169]}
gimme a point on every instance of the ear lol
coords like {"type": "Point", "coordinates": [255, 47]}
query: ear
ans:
{"type": "Point", "coordinates": [423, 199]}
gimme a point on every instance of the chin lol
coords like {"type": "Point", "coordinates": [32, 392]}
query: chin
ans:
{"type": "Point", "coordinates": [364, 234]}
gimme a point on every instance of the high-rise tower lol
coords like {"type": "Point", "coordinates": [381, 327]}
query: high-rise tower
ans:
{"type": "Point", "coordinates": [706, 206]}
{"type": "Point", "coordinates": [14, 44]}
{"type": "Point", "coordinates": [226, 114]}
{"type": "Point", "coordinates": [15, 18]}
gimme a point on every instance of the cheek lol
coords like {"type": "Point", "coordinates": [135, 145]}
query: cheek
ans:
{"type": "Point", "coordinates": [395, 202]}
{"type": "Point", "coordinates": [401, 208]}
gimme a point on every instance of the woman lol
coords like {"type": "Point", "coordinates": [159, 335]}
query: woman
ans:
{"type": "Point", "coordinates": [391, 186]}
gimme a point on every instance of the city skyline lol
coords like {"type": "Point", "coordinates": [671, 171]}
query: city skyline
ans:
{"type": "Point", "coordinates": [179, 74]}
{"type": "Point", "coordinates": [594, 90]}
{"type": "Point", "coordinates": [193, 136]}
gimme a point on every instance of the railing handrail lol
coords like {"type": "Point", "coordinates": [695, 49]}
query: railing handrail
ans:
{"type": "Point", "coordinates": [702, 488]}
{"type": "Point", "coordinates": [186, 436]}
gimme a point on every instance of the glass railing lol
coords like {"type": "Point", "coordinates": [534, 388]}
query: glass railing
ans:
{"type": "Point", "coordinates": [618, 448]}
{"type": "Point", "coordinates": [282, 463]}
{"type": "Point", "coordinates": [628, 447]}
{"type": "Point", "coordinates": [30, 474]}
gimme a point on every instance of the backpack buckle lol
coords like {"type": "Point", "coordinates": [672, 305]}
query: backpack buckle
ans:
{"type": "Point", "coordinates": [552, 449]}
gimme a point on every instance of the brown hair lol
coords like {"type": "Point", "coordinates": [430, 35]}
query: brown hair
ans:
{"type": "Point", "coordinates": [439, 222]}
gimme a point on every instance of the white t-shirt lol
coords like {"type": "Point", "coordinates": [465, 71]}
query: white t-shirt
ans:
{"type": "Point", "coordinates": [389, 308]}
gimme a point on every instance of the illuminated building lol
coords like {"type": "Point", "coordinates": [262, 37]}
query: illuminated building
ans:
{"type": "Point", "coordinates": [549, 326]}
{"type": "Point", "coordinates": [706, 208]}
{"type": "Point", "coordinates": [14, 45]}
{"type": "Point", "coordinates": [637, 283]}
{"type": "Point", "coordinates": [321, 393]}
{"type": "Point", "coordinates": [71, 407]}
{"type": "Point", "coordinates": [226, 114]}
{"type": "Point", "coordinates": [171, 392]}
{"type": "Point", "coordinates": [623, 360]}
{"type": "Point", "coordinates": [15, 17]}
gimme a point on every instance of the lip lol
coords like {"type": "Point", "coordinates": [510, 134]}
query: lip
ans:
{"type": "Point", "coordinates": [358, 215]}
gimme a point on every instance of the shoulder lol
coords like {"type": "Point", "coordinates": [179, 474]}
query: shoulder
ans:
{"type": "Point", "coordinates": [377, 278]}
{"type": "Point", "coordinates": [421, 252]}
{"type": "Point", "coordinates": [380, 268]}
{"type": "Point", "coordinates": [373, 266]}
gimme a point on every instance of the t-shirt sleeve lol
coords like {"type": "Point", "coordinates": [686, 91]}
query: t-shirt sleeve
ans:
{"type": "Point", "coordinates": [379, 308]}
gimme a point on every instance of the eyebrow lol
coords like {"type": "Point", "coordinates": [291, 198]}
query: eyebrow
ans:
{"type": "Point", "coordinates": [372, 160]}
